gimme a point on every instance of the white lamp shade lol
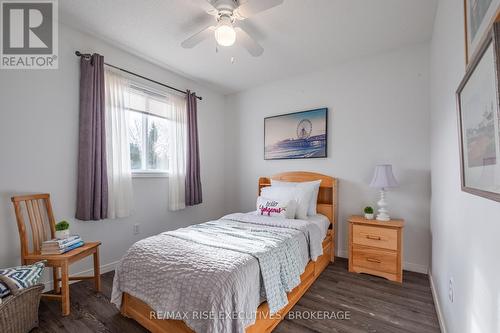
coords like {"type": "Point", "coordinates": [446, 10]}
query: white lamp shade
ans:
{"type": "Point", "coordinates": [383, 177]}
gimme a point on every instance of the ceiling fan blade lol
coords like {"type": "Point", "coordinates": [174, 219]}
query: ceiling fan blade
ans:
{"type": "Point", "coordinates": [248, 42]}
{"type": "Point", "coordinates": [198, 37]}
{"type": "Point", "coordinates": [206, 6]}
{"type": "Point", "coordinates": [253, 7]}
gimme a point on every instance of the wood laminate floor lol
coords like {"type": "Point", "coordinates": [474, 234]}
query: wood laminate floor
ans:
{"type": "Point", "coordinates": [366, 303]}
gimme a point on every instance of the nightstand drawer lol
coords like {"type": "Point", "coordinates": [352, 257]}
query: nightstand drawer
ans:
{"type": "Point", "coordinates": [378, 260]}
{"type": "Point", "coordinates": [383, 238]}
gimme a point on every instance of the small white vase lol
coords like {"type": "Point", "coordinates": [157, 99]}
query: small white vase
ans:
{"type": "Point", "coordinates": [369, 216]}
{"type": "Point", "coordinates": [62, 234]}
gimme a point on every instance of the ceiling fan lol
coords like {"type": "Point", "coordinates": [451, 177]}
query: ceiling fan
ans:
{"type": "Point", "coordinates": [228, 28]}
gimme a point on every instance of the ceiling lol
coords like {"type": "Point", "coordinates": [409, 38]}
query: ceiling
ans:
{"type": "Point", "coordinates": [299, 36]}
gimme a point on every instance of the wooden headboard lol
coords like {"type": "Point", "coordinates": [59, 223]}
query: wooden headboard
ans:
{"type": "Point", "coordinates": [327, 197]}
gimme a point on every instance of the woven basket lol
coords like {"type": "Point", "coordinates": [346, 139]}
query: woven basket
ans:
{"type": "Point", "coordinates": [19, 313]}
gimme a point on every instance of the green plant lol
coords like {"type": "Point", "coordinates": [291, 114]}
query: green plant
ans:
{"type": "Point", "coordinates": [63, 225]}
{"type": "Point", "coordinates": [368, 210]}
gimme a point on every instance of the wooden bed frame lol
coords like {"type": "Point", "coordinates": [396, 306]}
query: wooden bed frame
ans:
{"type": "Point", "coordinates": [136, 309]}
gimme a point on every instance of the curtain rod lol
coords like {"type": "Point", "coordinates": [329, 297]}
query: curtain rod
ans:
{"type": "Point", "coordinates": [79, 54]}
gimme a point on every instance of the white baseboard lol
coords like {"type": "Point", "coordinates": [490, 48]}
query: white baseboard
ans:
{"type": "Point", "coordinates": [104, 269]}
{"type": "Point", "coordinates": [412, 267]}
{"type": "Point", "coordinates": [409, 266]}
{"type": "Point", "coordinates": [342, 254]}
{"type": "Point", "coordinates": [437, 305]}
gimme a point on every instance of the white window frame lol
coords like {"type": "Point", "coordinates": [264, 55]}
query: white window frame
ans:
{"type": "Point", "coordinates": [143, 173]}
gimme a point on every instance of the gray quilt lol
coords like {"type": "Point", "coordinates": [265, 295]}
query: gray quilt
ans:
{"type": "Point", "coordinates": [212, 275]}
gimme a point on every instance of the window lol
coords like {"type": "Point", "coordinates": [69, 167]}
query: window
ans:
{"type": "Point", "coordinates": [147, 131]}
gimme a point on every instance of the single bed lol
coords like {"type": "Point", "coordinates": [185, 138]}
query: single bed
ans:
{"type": "Point", "coordinates": [147, 304]}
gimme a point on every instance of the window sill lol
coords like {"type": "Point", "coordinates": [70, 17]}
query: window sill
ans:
{"type": "Point", "coordinates": [149, 174]}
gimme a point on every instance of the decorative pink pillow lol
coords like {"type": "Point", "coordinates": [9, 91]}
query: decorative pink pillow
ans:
{"type": "Point", "coordinates": [277, 208]}
{"type": "Point", "coordinates": [299, 195]}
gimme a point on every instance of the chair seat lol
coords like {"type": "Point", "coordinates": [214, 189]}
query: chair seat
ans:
{"type": "Point", "coordinates": [76, 254]}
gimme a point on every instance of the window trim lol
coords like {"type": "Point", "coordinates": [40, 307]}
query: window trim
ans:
{"type": "Point", "coordinates": [149, 174]}
{"type": "Point", "coordinates": [147, 90]}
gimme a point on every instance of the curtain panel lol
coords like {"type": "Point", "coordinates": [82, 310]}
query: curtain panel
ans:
{"type": "Point", "coordinates": [120, 198]}
{"type": "Point", "coordinates": [193, 179]}
{"type": "Point", "coordinates": [176, 114]}
{"type": "Point", "coordinates": [92, 187]}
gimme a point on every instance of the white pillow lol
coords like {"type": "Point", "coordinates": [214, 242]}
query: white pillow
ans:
{"type": "Point", "coordinates": [279, 208]}
{"type": "Point", "coordinates": [283, 193]}
{"type": "Point", "coordinates": [312, 187]}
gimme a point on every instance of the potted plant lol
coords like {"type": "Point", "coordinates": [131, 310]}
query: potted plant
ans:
{"type": "Point", "coordinates": [62, 230]}
{"type": "Point", "coordinates": [368, 213]}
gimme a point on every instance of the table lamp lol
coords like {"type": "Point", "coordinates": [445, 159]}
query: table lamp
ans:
{"type": "Point", "coordinates": [383, 178]}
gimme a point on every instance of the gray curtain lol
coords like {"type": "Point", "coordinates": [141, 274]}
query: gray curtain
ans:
{"type": "Point", "coordinates": [193, 180]}
{"type": "Point", "coordinates": [92, 190]}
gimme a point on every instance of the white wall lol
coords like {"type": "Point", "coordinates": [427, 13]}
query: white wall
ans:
{"type": "Point", "coordinates": [38, 151]}
{"type": "Point", "coordinates": [465, 228]}
{"type": "Point", "coordinates": [378, 113]}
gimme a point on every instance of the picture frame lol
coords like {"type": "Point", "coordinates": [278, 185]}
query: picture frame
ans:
{"type": "Point", "coordinates": [479, 17]}
{"type": "Point", "coordinates": [296, 135]}
{"type": "Point", "coordinates": [478, 110]}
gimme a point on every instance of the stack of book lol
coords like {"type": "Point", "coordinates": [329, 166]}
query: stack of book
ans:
{"type": "Point", "coordinates": [59, 246]}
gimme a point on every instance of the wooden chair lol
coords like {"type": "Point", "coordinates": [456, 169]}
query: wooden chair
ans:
{"type": "Point", "coordinates": [38, 210]}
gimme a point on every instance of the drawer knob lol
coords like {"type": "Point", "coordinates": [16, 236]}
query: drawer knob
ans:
{"type": "Point", "coordinates": [373, 260]}
{"type": "Point", "coordinates": [373, 237]}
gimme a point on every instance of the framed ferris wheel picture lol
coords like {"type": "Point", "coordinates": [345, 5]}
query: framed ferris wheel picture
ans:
{"type": "Point", "coordinates": [296, 135]}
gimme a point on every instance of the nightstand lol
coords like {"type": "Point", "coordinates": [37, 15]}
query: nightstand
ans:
{"type": "Point", "coordinates": [376, 247]}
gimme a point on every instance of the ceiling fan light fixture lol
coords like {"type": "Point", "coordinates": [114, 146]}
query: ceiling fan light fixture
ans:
{"type": "Point", "coordinates": [224, 33]}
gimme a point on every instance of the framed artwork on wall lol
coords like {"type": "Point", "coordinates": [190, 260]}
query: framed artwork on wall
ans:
{"type": "Point", "coordinates": [296, 135]}
{"type": "Point", "coordinates": [479, 119]}
{"type": "Point", "coordinates": [479, 16]}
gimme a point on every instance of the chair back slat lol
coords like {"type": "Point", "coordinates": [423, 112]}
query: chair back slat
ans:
{"type": "Point", "coordinates": [39, 213]}
{"type": "Point", "coordinates": [23, 237]}
{"type": "Point", "coordinates": [50, 216]}
{"type": "Point", "coordinates": [33, 223]}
